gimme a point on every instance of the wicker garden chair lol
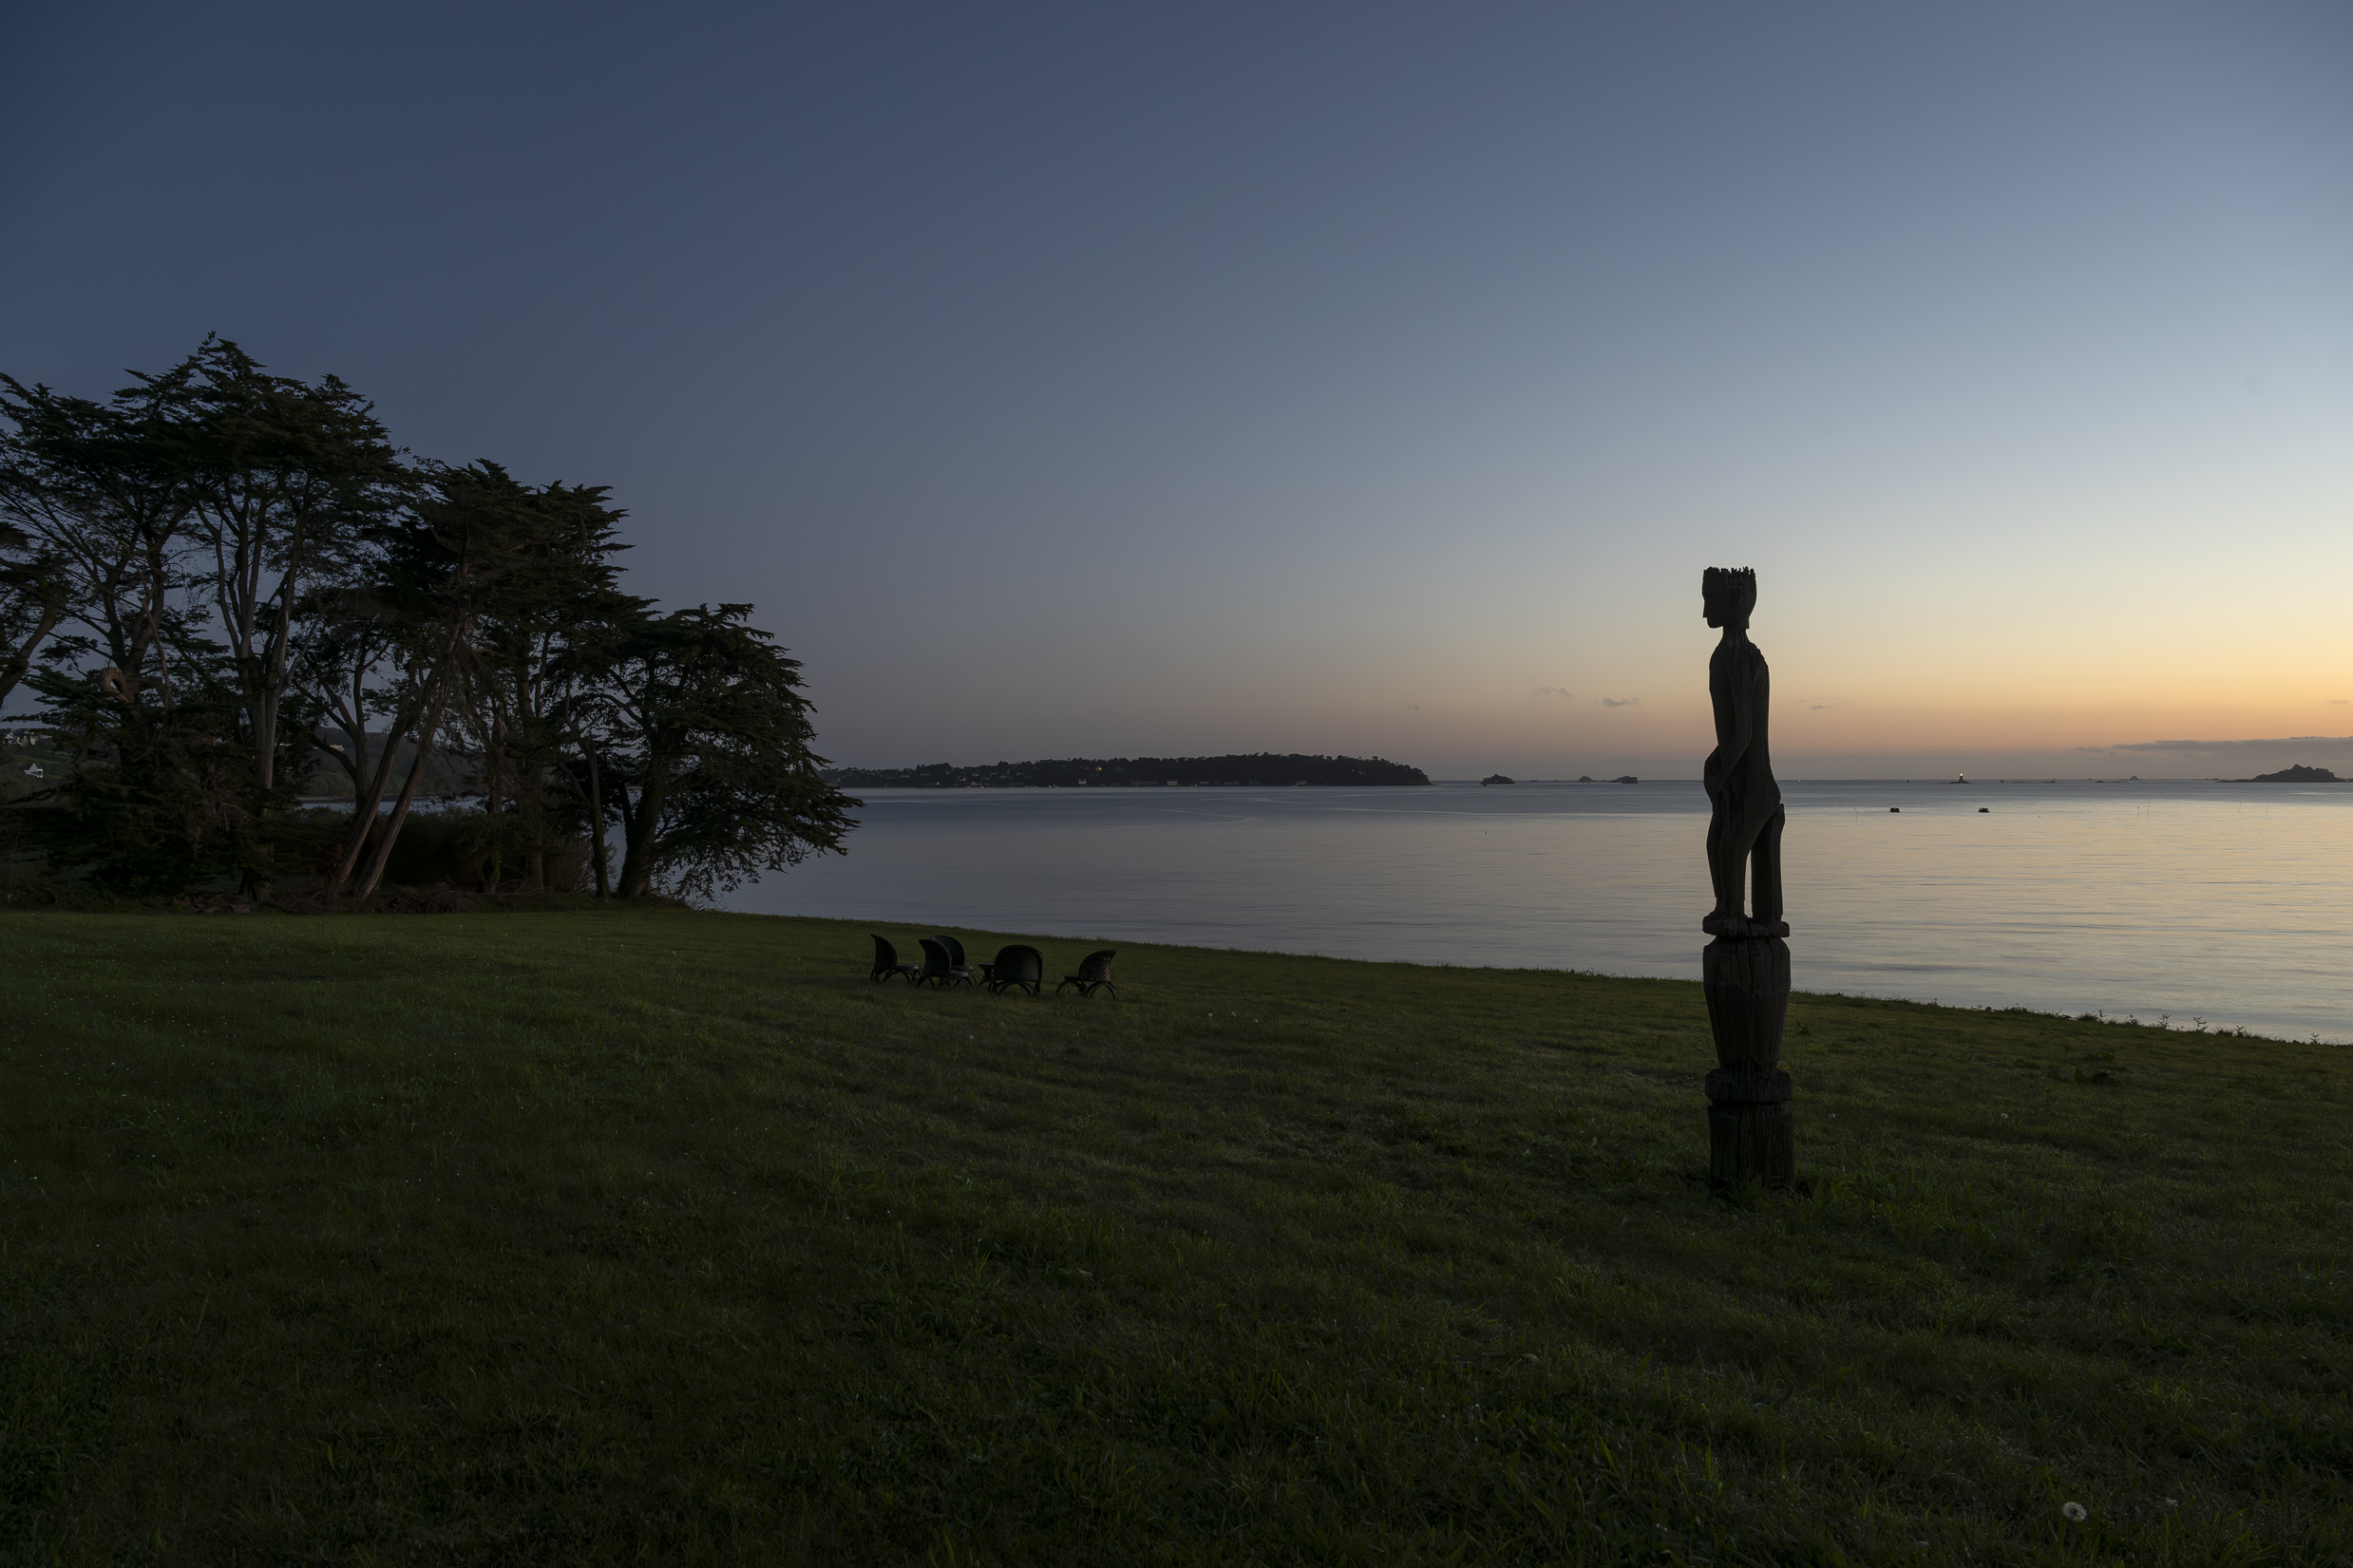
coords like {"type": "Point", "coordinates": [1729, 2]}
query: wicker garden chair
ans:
{"type": "Point", "coordinates": [886, 963]}
{"type": "Point", "coordinates": [943, 963]}
{"type": "Point", "coordinates": [1017, 964]}
{"type": "Point", "coordinates": [1094, 972]}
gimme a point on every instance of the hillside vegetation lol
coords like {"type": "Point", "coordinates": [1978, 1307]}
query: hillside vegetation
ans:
{"type": "Point", "coordinates": [629, 1236]}
{"type": "Point", "coordinates": [1261, 768]}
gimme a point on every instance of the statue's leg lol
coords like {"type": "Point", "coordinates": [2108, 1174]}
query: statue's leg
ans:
{"type": "Point", "coordinates": [1765, 869]}
{"type": "Point", "coordinates": [1732, 838]}
{"type": "Point", "coordinates": [1724, 857]}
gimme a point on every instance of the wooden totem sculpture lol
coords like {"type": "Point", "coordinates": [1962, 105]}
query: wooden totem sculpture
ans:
{"type": "Point", "coordinates": [1745, 972]}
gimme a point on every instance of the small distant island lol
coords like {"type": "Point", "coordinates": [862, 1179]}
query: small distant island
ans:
{"type": "Point", "coordinates": [1260, 770]}
{"type": "Point", "coordinates": [2297, 774]}
{"type": "Point", "coordinates": [1587, 778]}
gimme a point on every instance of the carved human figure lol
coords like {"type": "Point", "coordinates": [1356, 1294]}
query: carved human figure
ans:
{"type": "Point", "coordinates": [1744, 833]}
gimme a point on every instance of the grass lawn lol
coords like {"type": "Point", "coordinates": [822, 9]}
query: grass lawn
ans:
{"type": "Point", "coordinates": [650, 1236]}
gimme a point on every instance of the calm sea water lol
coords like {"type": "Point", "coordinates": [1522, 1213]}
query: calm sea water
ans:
{"type": "Point", "coordinates": [2230, 903]}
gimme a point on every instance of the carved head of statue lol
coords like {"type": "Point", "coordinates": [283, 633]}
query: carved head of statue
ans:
{"type": "Point", "coordinates": [1728, 595]}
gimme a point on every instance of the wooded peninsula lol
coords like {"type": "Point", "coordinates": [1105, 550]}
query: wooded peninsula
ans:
{"type": "Point", "coordinates": [1251, 770]}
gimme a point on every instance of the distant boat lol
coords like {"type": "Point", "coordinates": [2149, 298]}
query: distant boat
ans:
{"type": "Point", "coordinates": [1960, 778]}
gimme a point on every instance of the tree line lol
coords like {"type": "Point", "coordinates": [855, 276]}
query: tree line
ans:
{"type": "Point", "coordinates": [219, 580]}
{"type": "Point", "coordinates": [1254, 768]}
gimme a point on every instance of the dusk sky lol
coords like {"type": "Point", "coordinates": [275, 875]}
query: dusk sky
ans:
{"type": "Point", "coordinates": [1115, 378]}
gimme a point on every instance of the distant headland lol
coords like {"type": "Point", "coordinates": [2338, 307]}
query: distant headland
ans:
{"type": "Point", "coordinates": [1261, 769]}
{"type": "Point", "coordinates": [2298, 774]}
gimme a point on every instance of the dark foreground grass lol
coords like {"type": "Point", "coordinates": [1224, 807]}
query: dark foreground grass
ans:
{"type": "Point", "coordinates": [667, 1238]}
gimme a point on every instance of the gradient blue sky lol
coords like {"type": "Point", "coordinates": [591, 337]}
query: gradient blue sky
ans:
{"type": "Point", "coordinates": [1114, 379]}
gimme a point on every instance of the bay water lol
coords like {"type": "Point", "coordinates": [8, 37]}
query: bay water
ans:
{"type": "Point", "coordinates": [2197, 904]}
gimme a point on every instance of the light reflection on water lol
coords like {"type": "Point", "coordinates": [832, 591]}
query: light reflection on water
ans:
{"type": "Point", "coordinates": [2198, 900]}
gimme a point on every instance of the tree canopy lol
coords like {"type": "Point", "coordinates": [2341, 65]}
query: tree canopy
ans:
{"type": "Point", "coordinates": [219, 580]}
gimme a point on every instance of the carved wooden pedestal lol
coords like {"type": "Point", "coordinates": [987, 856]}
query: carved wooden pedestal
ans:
{"type": "Point", "coordinates": [1752, 1127]}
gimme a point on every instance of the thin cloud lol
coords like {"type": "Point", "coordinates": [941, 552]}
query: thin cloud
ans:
{"type": "Point", "coordinates": [2338, 701]}
{"type": "Point", "coordinates": [1554, 691]}
{"type": "Point", "coordinates": [2225, 748]}
{"type": "Point", "coordinates": [1618, 702]}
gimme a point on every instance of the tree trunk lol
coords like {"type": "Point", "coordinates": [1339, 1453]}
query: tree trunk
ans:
{"type": "Point", "coordinates": [365, 826]}
{"type": "Point", "coordinates": [596, 815]}
{"type": "Point", "coordinates": [20, 659]}
{"type": "Point", "coordinates": [399, 809]}
{"type": "Point", "coordinates": [265, 740]}
{"type": "Point", "coordinates": [637, 857]}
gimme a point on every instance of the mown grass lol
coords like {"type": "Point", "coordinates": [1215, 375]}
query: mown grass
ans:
{"type": "Point", "coordinates": [666, 1236]}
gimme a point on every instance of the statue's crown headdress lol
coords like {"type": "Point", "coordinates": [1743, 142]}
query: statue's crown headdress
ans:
{"type": "Point", "coordinates": [1727, 580]}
